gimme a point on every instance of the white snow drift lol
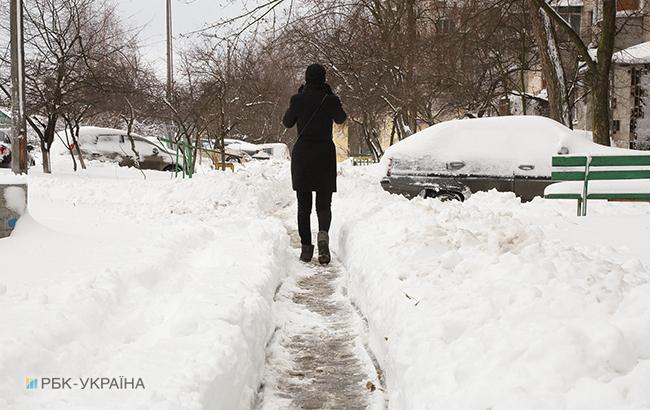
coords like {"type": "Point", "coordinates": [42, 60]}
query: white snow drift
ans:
{"type": "Point", "coordinates": [496, 304]}
{"type": "Point", "coordinates": [484, 304]}
{"type": "Point", "coordinates": [168, 281]}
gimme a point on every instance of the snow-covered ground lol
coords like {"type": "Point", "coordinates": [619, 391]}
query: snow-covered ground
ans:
{"type": "Point", "coordinates": [485, 304]}
{"type": "Point", "coordinates": [496, 304]}
{"type": "Point", "coordinates": [170, 281]}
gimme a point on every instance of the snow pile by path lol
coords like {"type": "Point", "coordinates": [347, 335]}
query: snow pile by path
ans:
{"type": "Point", "coordinates": [495, 304]}
{"type": "Point", "coordinates": [169, 281]}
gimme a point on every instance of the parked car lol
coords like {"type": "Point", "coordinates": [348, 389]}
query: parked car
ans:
{"type": "Point", "coordinates": [259, 151]}
{"type": "Point", "coordinates": [273, 150]}
{"type": "Point", "coordinates": [5, 151]}
{"type": "Point", "coordinates": [107, 144]}
{"type": "Point", "coordinates": [453, 159]}
{"type": "Point", "coordinates": [232, 154]}
{"type": "Point", "coordinates": [241, 146]}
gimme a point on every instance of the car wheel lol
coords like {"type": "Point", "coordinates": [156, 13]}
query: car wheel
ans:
{"type": "Point", "coordinates": [443, 195]}
{"type": "Point", "coordinates": [233, 159]}
{"type": "Point", "coordinates": [173, 168]}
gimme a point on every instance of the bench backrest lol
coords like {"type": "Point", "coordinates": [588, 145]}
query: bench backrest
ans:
{"type": "Point", "coordinates": [610, 167]}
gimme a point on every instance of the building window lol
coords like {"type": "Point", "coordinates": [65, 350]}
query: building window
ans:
{"type": "Point", "coordinates": [616, 126]}
{"type": "Point", "coordinates": [624, 5]}
{"type": "Point", "coordinates": [572, 15]}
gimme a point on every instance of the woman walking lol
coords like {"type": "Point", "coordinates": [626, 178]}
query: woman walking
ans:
{"type": "Point", "coordinates": [313, 159]}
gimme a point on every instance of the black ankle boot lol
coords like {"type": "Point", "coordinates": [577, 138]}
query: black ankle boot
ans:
{"type": "Point", "coordinates": [323, 248]}
{"type": "Point", "coordinates": [307, 253]}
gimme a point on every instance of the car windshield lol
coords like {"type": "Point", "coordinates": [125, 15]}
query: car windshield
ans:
{"type": "Point", "coordinates": [4, 137]}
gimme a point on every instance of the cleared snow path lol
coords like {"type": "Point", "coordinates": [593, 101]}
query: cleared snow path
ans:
{"type": "Point", "coordinates": [317, 357]}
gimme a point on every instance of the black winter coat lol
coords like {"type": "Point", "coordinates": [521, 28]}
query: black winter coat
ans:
{"type": "Point", "coordinates": [313, 159]}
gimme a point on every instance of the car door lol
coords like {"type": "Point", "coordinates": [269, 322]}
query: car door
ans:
{"type": "Point", "coordinates": [528, 184]}
{"type": "Point", "coordinates": [151, 156]}
{"type": "Point", "coordinates": [531, 177]}
{"type": "Point", "coordinates": [109, 146]}
{"type": "Point", "coordinates": [144, 151]}
{"type": "Point", "coordinates": [478, 175]}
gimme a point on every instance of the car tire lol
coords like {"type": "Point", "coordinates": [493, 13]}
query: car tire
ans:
{"type": "Point", "coordinates": [173, 168]}
{"type": "Point", "coordinates": [443, 195]}
{"type": "Point", "coordinates": [233, 159]}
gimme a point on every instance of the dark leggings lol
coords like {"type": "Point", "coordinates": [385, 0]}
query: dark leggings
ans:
{"type": "Point", "coordinates": [323, 210]}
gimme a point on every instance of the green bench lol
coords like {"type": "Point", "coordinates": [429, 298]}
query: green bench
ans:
{"type": "Point", "coordinates": [576, 172]}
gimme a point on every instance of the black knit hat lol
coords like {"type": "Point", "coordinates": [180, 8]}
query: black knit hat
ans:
{"type": "Point", "coordinates": [315, 74]}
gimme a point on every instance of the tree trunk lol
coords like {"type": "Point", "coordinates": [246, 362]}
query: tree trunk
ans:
{"type": "Point", "coordinates": [551, 64]}
{"type": "Point", "coordinates": [410, 88]}
{"type": "Point", "coordinates": [75, 141]}
{"type": "Point", "coordinates": [47, 168]}
{"type": "Point", "coordinates": [599, 70]}
{"type": "Point", "coordinates": [600, 98]}
{"type": "Point", "coordinates": [74, 160]}
{"type": "Point", "coordinates": [47, 141]}
{"type": "Point", "coordinates": [600, 111]}
{"type": "Point", "coordinates": [222, 149]}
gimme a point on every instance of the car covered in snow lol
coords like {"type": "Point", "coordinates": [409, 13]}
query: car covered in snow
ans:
{"type": "Point", "coordinates": [453, 159]}
{"type": "Point", "coordinates": [232, 154]}
{"type": "Point", "coordinates": [5, 150]}
{"type": "Point", "coordinates": [240, 146]}
{"type": "Point", "coordinates": [113, 145]}
{"type": "Point", "coordinates": [259, 151]}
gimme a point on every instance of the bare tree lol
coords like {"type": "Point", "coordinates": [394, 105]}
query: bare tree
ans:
{"type": "Point", "coordinates": [66, 40]}
{"type": "Point", "coordinates": [598, 68]}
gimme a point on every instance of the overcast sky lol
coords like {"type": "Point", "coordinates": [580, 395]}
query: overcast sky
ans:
{"type": "Point", "coordinates": [188, 16]}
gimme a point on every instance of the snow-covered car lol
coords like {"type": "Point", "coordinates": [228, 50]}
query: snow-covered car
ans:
{"type": "Point", "coordinates": [113, 145]}
{"type": "Point", "coordinates": [257, 151]}
{"type": "Point", "coordinates": [241, 147]}
{"type": "Point", "coordinates": [232, 154]}
{"type": "Point", "coordinates": [453, 159]}
{"type": "Point", "coordinates": [5, 151]}
{"type": "Point", "coordinates": [273, 151]}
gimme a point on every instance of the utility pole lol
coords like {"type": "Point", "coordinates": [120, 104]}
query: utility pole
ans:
{"type": "Point", "coordinates": [169, 94]}
{"type": "Point", "coordinates": [170, 53]}
{"type": "Point", "coordinates": [18, 125]}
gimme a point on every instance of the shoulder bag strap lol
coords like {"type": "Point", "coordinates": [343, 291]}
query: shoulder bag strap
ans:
{"type": "Point", "coordinates": [312, 116]}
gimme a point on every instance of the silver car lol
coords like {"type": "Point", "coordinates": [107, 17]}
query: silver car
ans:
{"type": "Point", "coordinates": [107, 144]}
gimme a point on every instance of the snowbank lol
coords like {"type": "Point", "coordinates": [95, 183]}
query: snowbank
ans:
{"type": "Point", "coordinates": [489, 303]}
{"type": "Point", "coordinates": [7, 177]}
{"type": "Point", "coordinates": [496, 304]}
{"type": "Point", "coordinates": [169, 281]}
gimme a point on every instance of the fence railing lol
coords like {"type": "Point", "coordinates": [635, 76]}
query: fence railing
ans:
{"type": "Point", "coordinates": [186, 150]}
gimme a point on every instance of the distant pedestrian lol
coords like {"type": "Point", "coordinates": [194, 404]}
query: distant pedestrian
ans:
{"type": "Point", "coordinates": [313, 159]}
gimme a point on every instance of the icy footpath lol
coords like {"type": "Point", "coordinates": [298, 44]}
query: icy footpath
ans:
{"type": "Point", "coordinates": [492, 304]}
{"type": "Point", "coordinates": [168, 281]}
